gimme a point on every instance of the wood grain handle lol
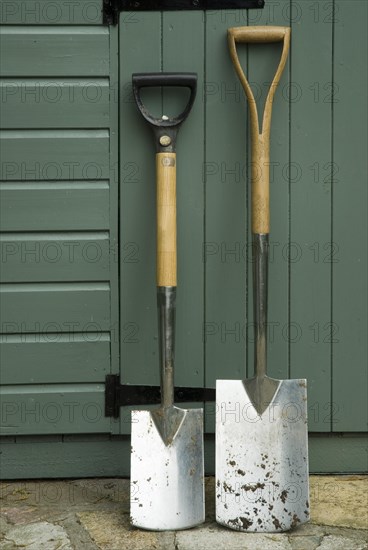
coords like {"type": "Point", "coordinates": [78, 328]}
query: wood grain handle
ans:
{"type": "Point", "coordinates": [260, 185]}
{"type": "Point", "coordinates": [260, 137]}
{"type": "Point", "coordinates": [166, 218]}
{"type": "Point", "coordinates": [258, 34]}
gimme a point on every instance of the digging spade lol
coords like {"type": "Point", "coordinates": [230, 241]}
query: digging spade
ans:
{"type": "Point", "coordinates": [261, 423]}
{"type": "Point", "coordinates": [167, 443]}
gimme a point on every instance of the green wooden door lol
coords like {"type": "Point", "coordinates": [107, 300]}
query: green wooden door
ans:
{"type": "Point", "coordinates": [77, 202]}
{"type": "Point", "coordinates": [317, 318]}
{"type": "Point", "coordinates": [59, 293]}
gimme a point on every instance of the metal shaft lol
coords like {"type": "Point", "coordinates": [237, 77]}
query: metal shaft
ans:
{"type": "Point", "coordinates": [260, 286]}
{"type": "Point", "coordinates": [166, 306]}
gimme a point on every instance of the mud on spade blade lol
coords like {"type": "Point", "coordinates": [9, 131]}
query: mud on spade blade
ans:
{"type": "Point", "coordinates": [262, 461]}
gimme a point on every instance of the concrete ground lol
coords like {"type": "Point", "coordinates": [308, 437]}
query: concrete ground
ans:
{"type": "Point", "coordinates": [93, 514]}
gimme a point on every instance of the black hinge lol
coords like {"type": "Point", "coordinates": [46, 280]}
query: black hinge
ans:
{"type": "Point", "coordinates": [112, 8]}
{"type": "Point", "coordinates": [117, 395]}
{"type": "Point", "coordinates": [110, 12]}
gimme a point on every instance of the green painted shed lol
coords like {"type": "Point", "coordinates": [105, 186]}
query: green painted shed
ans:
{"type": "Point", "coordinates": [78, 216]}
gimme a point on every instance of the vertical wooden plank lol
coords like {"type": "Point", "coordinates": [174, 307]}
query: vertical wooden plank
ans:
{"type": "Point", "coordinates": [225, 199]}
{"type": "Point", "coordinates": [114, 209]}
{"type": "Point", "coordinates": [263, 62]}
{"type": "Point", "coordinates": [349, 390]}
{"type": "Point", "coordinates": [140, 51]}
{"type": "Point", "coordinates": [177, 27]}
{"type": "Point", "coordinates": [310, 214]}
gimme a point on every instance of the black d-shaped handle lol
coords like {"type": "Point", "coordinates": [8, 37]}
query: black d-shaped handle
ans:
{"type": "Point", "coordinates": [165, 129]}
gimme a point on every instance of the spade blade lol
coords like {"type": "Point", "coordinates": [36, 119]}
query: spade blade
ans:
{"type": "Point", "coordinates": [167, 472]}
{"type": "Point", "coordinates": [261, 459]}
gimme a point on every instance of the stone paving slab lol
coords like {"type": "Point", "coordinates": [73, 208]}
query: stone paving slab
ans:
{"type": "Point", "coordinates": [339, 500]}
{"type": "Point", "coordinates": [112, 530]}
{"type": "Point", "coordinates": [332, 542]}
{"type": "Point", "coordinates": [36, 536]}
{"type": "Point", "coordinates": [214, 537]}
{"type": "Point", "coordinates": [93, 514]}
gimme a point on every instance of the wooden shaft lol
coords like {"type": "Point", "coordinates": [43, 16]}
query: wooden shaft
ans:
{"type": "Point", "coordinates": [260, 184]}
{"type": "Point", "coordinates": [166, 218]}
{"type": "Point", "coordinates": [260, 137]}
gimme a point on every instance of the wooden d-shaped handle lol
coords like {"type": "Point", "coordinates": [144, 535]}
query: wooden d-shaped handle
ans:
{"type": "Point", "coordinates": [260, 137]}
{"type": "Point", "coordinates": [258, 34]}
